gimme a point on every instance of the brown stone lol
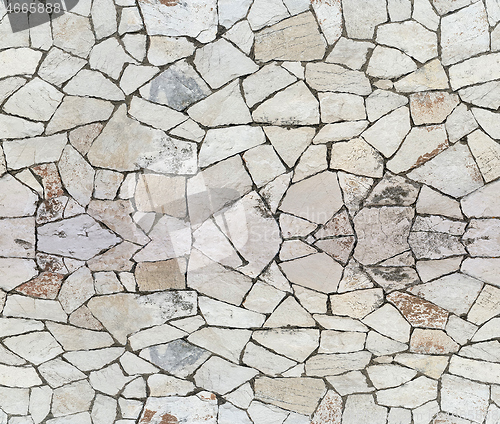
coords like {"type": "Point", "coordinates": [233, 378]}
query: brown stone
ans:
{"type": "Point", "coordinates": [51, 180]}
{"type": "Point", "coordinates": [82, 317]}
{"type": "Point", "coordinates": [419, 312]}
{"type": "Point", "coordinates": [432, 342]}
{"type": "Point", "coordinates": [163, 275]}
{"type": "Point", "coordinates": [45, 286]}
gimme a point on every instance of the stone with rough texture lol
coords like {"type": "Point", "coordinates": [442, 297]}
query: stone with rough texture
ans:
{"type": "Point", "coordinates": [331, 77]}
{"type": "Point", "coordinates": [361, 19]}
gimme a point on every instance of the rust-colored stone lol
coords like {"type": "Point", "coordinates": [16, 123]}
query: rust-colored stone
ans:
{"type": "Point", "coordinates": [329, 410]}
{"type": "Point", "coordinates": [45, 286]}
{"type": "Point", "coordinates": [419, 312]}
{"type": "Point", "coordinates": [433, 342]}
{"type": "Point", "coordinates": [169, 3]}
{"type": "Point", "coordinates": [50, 263]}
{"type": "Point", "coordinates": [51, 209]}
{"type": "Point", "coordinates": [169, 419]}
{"type": "Point", "coordinates": [148, 416]}
{"type": "Point", "coordinates": [51, 180]}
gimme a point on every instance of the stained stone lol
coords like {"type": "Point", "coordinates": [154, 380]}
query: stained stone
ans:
{"type": "Point", "coordinates": [388, 132]}
{"type": "Point", "coordinates": [331, 77]}
{"type": "Point", "coordinates": [453, 172]}
{"type": "Point", "coordinates": [361, 19]}
{"type": "Point", "coordinates": [329, 410]}
{"type": "Point", "coordinates": [350, 53]}
{"type": "Point", "coordinates": [296, 38]}
{"type": "Point", "coordinates": [432, 342]}
{"type": "Point", "coordinates": [300, 395]}
{"type": "Point", "coordinates": [446, 291]}
{"type": "Point", "coordinates": [419, 312]}
{"type": "Point", "coordinates": [464, 34]}
{"type": "Point", "coordinates": [431, 76]}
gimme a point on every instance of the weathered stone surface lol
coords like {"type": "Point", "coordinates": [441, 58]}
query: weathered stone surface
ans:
{"type": "Point", "coordinates": [487, 154]}
{"type": "Point", "coordinates": [296, 344]}
{"type": "Point", "coordinates": [464, 34]}
{"type": "Point", "coordinates": [153, 309]}
{"type": "Point", "coordinates": [178, 87]}
{"type": "Point", "coordinates": [431, 365]}
{"type": "Point", "coordinates": [221, 143]}
{"type": "Point", "coordinates": [334, 364]}
{"type": "Point", "coordinates": [389, 63]}
{"type": "Point", "coordinates": [389, 131]}
{"type": "Point", "coordinates": [431, 76]}
{"type": "Point", "coordinates": [362, 408]}
{"type": "Point", "coordinates": [460, 123]}
{"type": "Point", "coordinates": [296, 38]}
{"type": "Point", "coordinates": [356, 304]}
{"type": "Point", "coordinates": [198, 19]}
{"type": "Point", "coordinates": [330, 77]}
{"type": "Point", "coordinates": [446, 291]}
{"type": "Point", "coordinates": [350, 53]}
{"type": "Point", "coordinates": [482, 237]}
{"type": "Point", "coordinates": [357, 157]}
{"type": "Point", "coordinates": [432, 342]}
{"type": "Point", "coordinates": [301, 395]}
{"type": "Point", "coordinates": [361, 19]}
{"type": "Point", "coordinates": [464, 398]}
{"type": "Point", "coordinates": [453, 171]}
{"type": "Point", "coordinates": [409, 395]}
{"type": "Point", "coordinates": [295, 105]}
{"type": "Point", "coordinates": [389, 375]}
{"type": "Point", "coordinates": [329, 410]}
{"type": "Point", "coordinates": [432, 107]}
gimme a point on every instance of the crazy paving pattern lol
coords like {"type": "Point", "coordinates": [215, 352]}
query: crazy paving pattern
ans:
{"type": "Point", "coordinates": [237, 211]}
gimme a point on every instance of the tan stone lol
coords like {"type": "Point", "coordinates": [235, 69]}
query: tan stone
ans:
{"type": "Point", "coordinates": [432, 107]}
{"type": "Point", "coordinates": [432, 342]}
{"type": "Point", "coordinates": [163, 275]}
{"type": "Point", "coordinates": [301, 394]}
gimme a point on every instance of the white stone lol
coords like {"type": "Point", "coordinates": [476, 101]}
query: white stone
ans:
{"type": "Point", "coordinates": [390, 375]}
{"type": "Point", "coordinates": [154, 335]}
{"type": "Point", "coordinates": [59, 66]}
{"type": "Point", "coordinates": [109, 57]}
{"type": "Point", "coordinates": [464, 398]}
{"type": "Point", "coordinates": [221, 143]}
{"type": "Point", "coordinates": [35, 347]}
{"type": "Point", "coordinates": [431, 76]}
{"type": "Point", "coordinates": [357, 157]}
{"type": "Point", "coordinates": [361, 19]}
{"type": "Point", "coordinates": [409, 395]}
{"type": "Point", "coordinates": [296, 344]}
{"type": "Point", "coordinates": [18, 376]}
{"type": "Point", "coordinates": [295, 105]}
{"type": "Point", "coordinates": [349, 52]}
{"type": "Point", "coordinates": [109, 380]}
{"type": "Point", "coordinates": [334, 364]}
{"type": "Point", "coordinates": [72, 398]}
{"type": "Point", "coordinates": [388, 132]}
{"type": "Point", "coordinates": [446, 291]}
{"type": "Point", "coordinates": [222, 314]}
{"type": "Point", "coordinates": [329, 15]}
{"type": "Point", "coordinates": [263, 298]}
{"type": "Point", "coordinates": [76, 111]}
{"type": "Point", "coordinates": [379, 320]}
{"type": "Point", "coordinates": [362, 408]}
{"type": "Point", "coordinates": [432, 202]}
{"type": "Point", "coordinates": [474, 71]}
{"type": "Point", "coordinates": [381, 102]}
{"type": "Point", "coordinates": [460, 123]}
{"type": "Point", "coordinates": [241, 34]}
{"type": "Point", "coordinates": [264, 13]}
{"type": "Point", "coordinates": [263, 164]}
{"type": "Point", "coordinates": [331, 77]}
{"type": "Point", "coordinates": [228, 343]}
{"type": "Point", "coordinates": [431, 365]}
{"type": "Point", "coordinates": [40, 400]}
{"type": "Point", "coordinates": [77, 175]}
{"type": "Point", "coordinates": [464, 34]}
{"type": "Point", "coordinates": [483, 95]}
{"type": "Point", "coordinates": [224, 107]}
{"type": "Point", "coordinates": [231, 12]}
{"type": "Point", "coordinates": [425, 14]}
{"type": "Point", "coordinates": [421, 144]}
{"type": "Point", "coordinates": [265, 361]}
{"type": "Point", "coordinates": [58, 373]}
{"type": "Point", "coordinates": [221, 376]}
{"type": "Point", "coordinates": [487, 154]}
{"type": "Point", "coordinates": [389, 63]}
{"type": "Point", "coordinates": [95, 359]}
{"type": "Point", "coordinates": [93, 84]}
{"type": "Point", "coordinates": [350, 382]}
{"type": "Point", "coordinates": [289, 143]}
{"type": "Point", "coordinates": [135, 44]}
